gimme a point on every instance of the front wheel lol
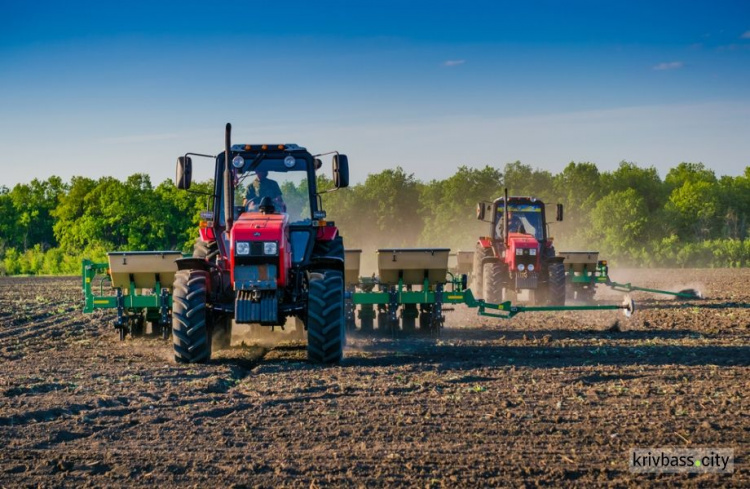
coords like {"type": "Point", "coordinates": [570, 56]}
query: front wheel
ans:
{"type": "Point", "coordinates": [477, 271]}
{"type": "Point", "coordinates": [556, 284]}
{"type": "Point", "coordinates": [325, 317]}
{"type": "Point", "coordinates": [493, 281]}
{"type": "Point", "coordinates": [190, 335]}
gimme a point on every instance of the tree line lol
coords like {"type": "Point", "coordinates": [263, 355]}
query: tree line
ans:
{"type": "Point", "coordinates": [691, 218]}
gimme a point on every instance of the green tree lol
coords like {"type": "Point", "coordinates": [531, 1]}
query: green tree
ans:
{"type": "Point", "coordinates": [694, 207]}
{"type": "Point", "coordinates": [521, 179]}
{"type": "Point", "coordinates": [688, 172]}
{"type": "Point", "coordinates": [579, 188]}
{"type": "Point", "coordinates": [645, 181]}
{"type": "Point", "coordinates": [448, 207]}
{"type": "Point", "coordinates": [69, 212]}
{"type": "Point", "coordinates": [388, 203]}
{"type": "Point", "coordinates": [8, 219]}
{"type": "Point", "coordinates": [178, 214]}
{"type": "Point", "coordinates": [734, 198]}
{"type": "Point", "coordinates": [619, 223]}
{"type": "Point", "coordinates": [33, 204]}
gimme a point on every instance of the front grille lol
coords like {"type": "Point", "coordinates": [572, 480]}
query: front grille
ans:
{"type": "Point", "coordinates": [256, 248]}
{"type": "Point", "coordinates": [255, 273]}
{"type": "Point", "coordinates": [527, 280]}
{"type": "Point", "coordinates": [256, 307]}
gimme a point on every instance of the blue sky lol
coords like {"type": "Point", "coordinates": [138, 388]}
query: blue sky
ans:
{"type": "Point", "coordinates": [113, 88]}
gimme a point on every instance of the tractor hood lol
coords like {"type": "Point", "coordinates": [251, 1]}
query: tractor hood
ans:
{"type": "Point", "coordinates": [519, 240]}
{"type": "Point", "coordinates": [524, 248]}
{"type": "Point", "coordinates": [257, 229]}
{"type": "Point", "coordinates": [250, 224]}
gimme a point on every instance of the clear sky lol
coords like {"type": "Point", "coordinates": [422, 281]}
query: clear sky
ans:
{"type": "Point", "coordinates": [113, 88]}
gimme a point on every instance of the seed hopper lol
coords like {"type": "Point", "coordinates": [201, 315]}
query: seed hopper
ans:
{"type": "Point", "coordinates": [138, 284]}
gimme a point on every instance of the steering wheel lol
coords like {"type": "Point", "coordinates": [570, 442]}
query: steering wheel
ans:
{"type": "Point", "coordinates": [252, 203]}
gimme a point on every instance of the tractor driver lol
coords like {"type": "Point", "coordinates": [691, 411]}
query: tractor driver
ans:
{"type": "Point", "coordinates": [515, 225]}
{"type": "Point", "coordinates": [261, 187]}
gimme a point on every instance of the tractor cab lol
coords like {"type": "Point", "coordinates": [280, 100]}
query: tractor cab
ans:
{"type": "Point", "coordinates": [525, 217]}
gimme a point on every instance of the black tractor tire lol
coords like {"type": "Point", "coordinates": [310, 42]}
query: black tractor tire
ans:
{"type": "Point", "coordinates": [205, 249]}
{"type": "Point", "coordinates": [334, 248]}
{"type": "Point", "coordinates": [493, 280]}
{"type": "Point", "coordinates": [477, 271]}
{"type": "Point", "coordinates": [190, 331]}
{"type": "Point", "coordinates": [325, 317]}
{"type": "Point", "coordinates": [556, 284]}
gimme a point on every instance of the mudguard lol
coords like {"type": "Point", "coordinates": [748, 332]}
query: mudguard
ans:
{"type": "Point", "coordinates": [327, 233]}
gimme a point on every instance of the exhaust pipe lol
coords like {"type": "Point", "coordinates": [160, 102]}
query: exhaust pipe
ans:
{"type": "Point", "coordinates": [505, 218]}
{"type": "Point", "coordinates": [228, 187]}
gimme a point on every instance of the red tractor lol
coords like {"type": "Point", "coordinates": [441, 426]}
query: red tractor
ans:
{"type": "Point", "coordinates": [273, 257]}
{"type": "Point", "coordinates": [518, 253]}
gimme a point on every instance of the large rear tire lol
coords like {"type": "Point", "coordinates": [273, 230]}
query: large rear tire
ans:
{"type": "Point", "coordinates": [190, 333]}
{"type": "Point", "coordinates": [493, 281]}
{"type": "Point", "coordinates": [325, 317]}
{"type": "Point", "coordinates": [205, 249]}
{"type": "Point", "coordinates": [477, 277]}
{"type": "Point", "coordinates": [556, 284]}
{"type": "Point", "coordinates": [333, 248]}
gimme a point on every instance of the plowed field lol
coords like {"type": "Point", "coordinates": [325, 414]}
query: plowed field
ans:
{"type": "Point", "coordinates": [543, 399]}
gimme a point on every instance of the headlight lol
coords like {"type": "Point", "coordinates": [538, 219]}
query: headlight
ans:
{"type": "Point", "coordinates": [531, 267]}
{"type": "Point", "coordinates": [519, 251]}
{"type": "Point", "coordinates": [521, 267]}
{"type": "Point", "coordinates": [238, 161]}
{"type": "Point", "coordinates": [289, 161]}
{"type": "Point", "coordinates": [532, 251]}
{"type": "Point", "coordinates": [270, 248]}
{"type": "Point", "coordinates": [242, 248]}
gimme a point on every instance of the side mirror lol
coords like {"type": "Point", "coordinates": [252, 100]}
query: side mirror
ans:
{"type": "Point", "coordinates": [483, 208]}
{"type": "Point", "coordinates": [559, 212]}
{"type": "Point", "coordinates": [340, 171]}
{"type": "Point", "coordinates": [184, 173]}
{"type": "Point", "coordinates": [480, 211]}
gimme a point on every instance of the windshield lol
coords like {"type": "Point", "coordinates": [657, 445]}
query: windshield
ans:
{"type": "Point", "coordinates": [522, 218]}
{"type": "Point", "coordinates": [286, 187]}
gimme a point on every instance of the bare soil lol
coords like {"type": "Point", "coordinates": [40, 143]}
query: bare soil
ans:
{"type": "Point", "coordinates": [550, 399]}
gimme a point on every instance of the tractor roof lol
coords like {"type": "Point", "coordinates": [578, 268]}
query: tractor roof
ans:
{"type": "Point", "coordinates": [267, 147]}
{"type": "Point", "coordinates": [521, 199]}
